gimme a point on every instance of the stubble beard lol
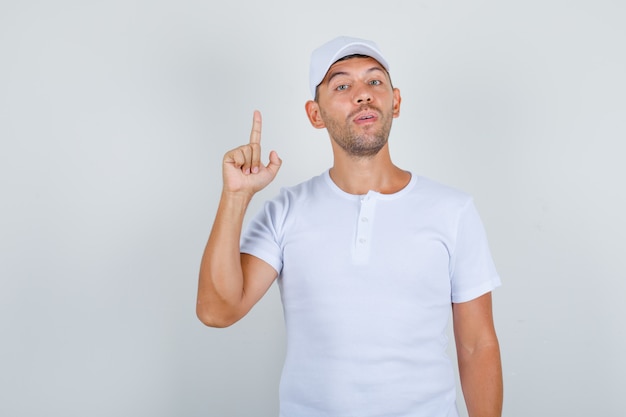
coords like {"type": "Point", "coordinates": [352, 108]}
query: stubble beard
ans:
{"type": "Point", "coordinates": [365, 144]}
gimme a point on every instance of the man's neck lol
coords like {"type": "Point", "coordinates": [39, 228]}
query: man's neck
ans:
{"type": "Point", "coordinates": [360, 175]}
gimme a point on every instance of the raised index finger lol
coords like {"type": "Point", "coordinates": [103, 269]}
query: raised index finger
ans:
{"type": "Point", "coordinates": [255, 135]}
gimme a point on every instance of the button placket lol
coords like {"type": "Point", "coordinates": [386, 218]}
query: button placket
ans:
{"type": "Point", "coordinates": [364, 228]}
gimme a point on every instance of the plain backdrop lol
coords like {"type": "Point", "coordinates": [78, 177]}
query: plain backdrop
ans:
{"type": "Point", "coordinates": [114, 117]}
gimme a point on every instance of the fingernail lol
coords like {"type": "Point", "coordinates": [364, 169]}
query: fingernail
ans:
{"type": "Point", "coordinates": [255, 170]}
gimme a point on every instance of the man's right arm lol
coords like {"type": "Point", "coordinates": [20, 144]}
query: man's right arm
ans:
{"type": "Point", "coordinates": [230, 283]}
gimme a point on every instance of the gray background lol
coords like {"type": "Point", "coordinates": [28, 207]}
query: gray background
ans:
{"type": "Point", "coordinates": [114, 117]}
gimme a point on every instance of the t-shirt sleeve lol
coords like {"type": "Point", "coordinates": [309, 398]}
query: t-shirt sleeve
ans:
{"type": "Point", "coordinates": [261, 236]}
{"type": "Point", "coordinates": [473, 272]}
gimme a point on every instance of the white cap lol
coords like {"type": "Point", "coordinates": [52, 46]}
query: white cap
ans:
{"type": "Point", "coordinates": [326, 55]}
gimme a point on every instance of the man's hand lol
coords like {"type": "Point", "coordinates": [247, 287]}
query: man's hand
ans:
{"type": "Point", "coordinates": [242, 169]}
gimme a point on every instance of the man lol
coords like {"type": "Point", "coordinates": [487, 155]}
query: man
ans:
{"type": "Point", "coordinates": [370, 261]}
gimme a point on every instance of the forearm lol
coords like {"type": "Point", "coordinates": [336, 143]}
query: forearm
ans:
{"type": "Point", "coordinates": [481, 380]}
{"type": "Point", "coordinates": [220, 286]}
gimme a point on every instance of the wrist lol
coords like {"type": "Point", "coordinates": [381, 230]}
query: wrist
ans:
{"type": "Point", "coordinates": [237, 197]}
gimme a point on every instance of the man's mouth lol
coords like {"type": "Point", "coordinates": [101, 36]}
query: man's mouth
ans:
{"type": "Point", "coordinates": [366, 116]}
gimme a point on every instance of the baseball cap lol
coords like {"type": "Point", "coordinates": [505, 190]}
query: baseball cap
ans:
{"type": "Point", "coordinates": [342, 46]}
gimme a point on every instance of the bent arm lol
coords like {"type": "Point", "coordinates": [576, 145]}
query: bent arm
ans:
{"type": "Point", "coordinates": [230, 283]}
{"type": "Point", "coordinates": [478, 354]}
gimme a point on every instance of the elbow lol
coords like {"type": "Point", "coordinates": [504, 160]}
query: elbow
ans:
{"type": "Point", "coordinates": [213, 319]}
{"type": "Point", "coordinates": [214, 322]}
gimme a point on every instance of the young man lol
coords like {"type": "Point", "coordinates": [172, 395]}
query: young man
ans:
{"type": "Point", "coordinates": [370, 260]}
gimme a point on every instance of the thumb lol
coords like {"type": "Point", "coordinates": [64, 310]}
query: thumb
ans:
{"type": "Point", "coordinates": [275, 163]}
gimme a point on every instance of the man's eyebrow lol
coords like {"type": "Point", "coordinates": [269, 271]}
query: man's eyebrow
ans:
{"type": "Point", "coordinates": [334, 74]}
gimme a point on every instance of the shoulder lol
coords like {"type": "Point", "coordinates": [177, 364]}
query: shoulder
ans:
{"type": "Point", "coordinates": [440, 195]}
{"type": "Point", "coordinates": [302, 190]}
{"type": "Point", "coordinates": [290, 197]}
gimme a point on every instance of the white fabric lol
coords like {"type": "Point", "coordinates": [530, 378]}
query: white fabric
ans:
{"type": "Point", "coordinates": [340, 47]}
{"type": "Point", "coordinates": [366, 284]}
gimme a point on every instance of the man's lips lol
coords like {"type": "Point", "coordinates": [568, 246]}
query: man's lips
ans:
{"type": "Point", "coordinates": [368, 116]}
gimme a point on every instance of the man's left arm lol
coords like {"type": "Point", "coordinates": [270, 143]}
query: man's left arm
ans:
{"type": "Point", "coordinates": [478, 355]}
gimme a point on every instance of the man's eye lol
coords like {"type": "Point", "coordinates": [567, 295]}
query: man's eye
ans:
{"type": "Point", "coordinates": [342, 87]}
{"type": "Point", "coordinates": [375, 82]}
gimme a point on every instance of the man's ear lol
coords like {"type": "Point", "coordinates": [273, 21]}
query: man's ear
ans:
{"type": "Point", "coordinates": [314, 115]}
{"type": "Point", "coordinates": [397, 99]}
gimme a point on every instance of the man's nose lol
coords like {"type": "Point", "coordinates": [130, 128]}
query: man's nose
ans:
{"type": "Point", "coordinates": [362, 96]}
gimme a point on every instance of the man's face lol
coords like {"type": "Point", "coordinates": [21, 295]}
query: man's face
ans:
{"type": "Point", "coordinates": [357, 104]}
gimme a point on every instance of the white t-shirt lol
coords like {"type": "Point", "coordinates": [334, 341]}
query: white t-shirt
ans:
{"type": "Point", "coordinates": [367, 284]}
